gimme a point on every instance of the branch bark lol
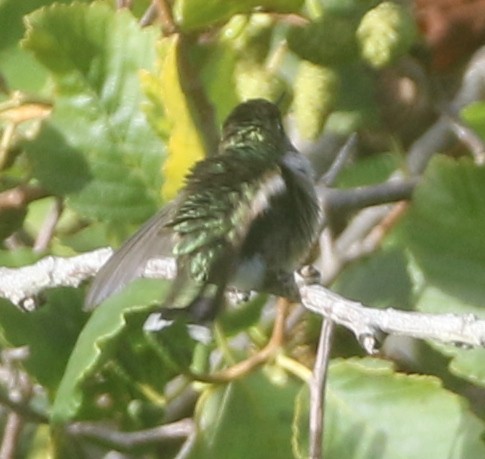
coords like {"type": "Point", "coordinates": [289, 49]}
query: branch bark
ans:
{"type": "Point", "coordinates": [368, 324]}
{"type": "Point", "coordinates": [21, 285]}
{"type": "Point", "coordinates": [176, 431]}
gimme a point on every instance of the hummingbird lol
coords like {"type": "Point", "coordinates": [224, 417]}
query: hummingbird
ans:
{"type": "Point", "coordinates": [245, 218]}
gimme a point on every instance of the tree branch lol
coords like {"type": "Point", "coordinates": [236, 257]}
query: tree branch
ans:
{"type": "Point", "coordinates": [361, 197]}
{"type": "Point", "coordinates": [23, 409]}
{"type": "Point", "coordinates": [48, 227]}
{"type": "Point", "coordinates": [21, 285]}
{"type": "Point", "coordinates": [368, 323]}
{"type": "Point", "coordinates": [20, 196]}
{"type": "Point", "coordinates": [176, 431]}
{"type": "Point", "coordinates": [318, 383]}
{"type": "Point", "coordinates": [11, 434]}
{"type": "Point", "coordinates": [441, 134]}
{"type": "Point", "coordinates": [18, 285]}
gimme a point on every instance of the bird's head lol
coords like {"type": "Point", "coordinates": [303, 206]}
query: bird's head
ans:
{"type": "Point", "coordinates": [255, 122]}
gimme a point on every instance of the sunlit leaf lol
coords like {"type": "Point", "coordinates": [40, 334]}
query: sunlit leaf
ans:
{"type": "Point", "coordinates": [247, 418]}
{"type": "Point", "coordinates": [183, 126]}
{"type": "Point", "coordinates": [372, 411]}
{"type": "Point", "coordinates": [444, 232]}
{"type": "Point", "coordinates": [19, 69]}
{"type": "Point", "coordinates": [50, 332]}
{"type": "Point", "coordinates": [379, 281]}
{"type": "Point", "coordinates": [99, 340]}
{"type": "Point", "coordinates": [474, 115]}
{"type": "Point", "coordinates": [444, 228]}
{"type": "Point", "coordinates": [97, 142]}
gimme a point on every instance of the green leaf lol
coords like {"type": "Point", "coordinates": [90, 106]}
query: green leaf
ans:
{"type": "Point", "coordinates": [16, 258]}
{"type": "Point", "coordinates": [18, 67]}
{"type": "Point", "coordinates": [474, 115]}
{"type": "Point", "coordinates": [444, 232]}
{"type": "Point", "coordinates": [372, 411]}
{"type": "Point", "coordinates": [239, 318]}
{"type": "Point", "coordinates": [168, 90]}
{"type": "Point", "coordinates": [98, 342]}
{"type": "Point", "coordinates": [249, 418]}
{"type": "Point", "coordinates": [355, 106]}
{"type": "Point", "coordinates": [50, 332]}
{"type": "Point", "coordinates": [465, 363]}
{"type": "Point", "coordinates": [468, 364]}
{"type": "Point", "coordinates": [11, 220]}
{"type": "Point", "coordinates": [195, 14]}
{"type": "Point", "coordinates": [444, 228]}
{"type": "Point", "coordinates": [378, 281]}
{"type": "Point", "coordinates": [370, 170]}
{"type": "Point", "coordinates": [218, 72]}
{"type": "Point", "coordinates": [97, 147]}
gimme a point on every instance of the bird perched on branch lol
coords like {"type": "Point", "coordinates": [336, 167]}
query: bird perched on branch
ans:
{"type": "Point", "coordinates": [245, 217]}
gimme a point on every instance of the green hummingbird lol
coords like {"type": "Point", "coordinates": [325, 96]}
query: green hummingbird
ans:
{"type": "Point", "coordinates": [245, 217]}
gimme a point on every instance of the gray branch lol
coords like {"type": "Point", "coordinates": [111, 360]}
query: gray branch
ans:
{"type": "Point", "coordinates": [368, 324]}
{"type": "Point", "coordinates": [176, 431]}
{"type": "Point", "coordinates": [23, 284]}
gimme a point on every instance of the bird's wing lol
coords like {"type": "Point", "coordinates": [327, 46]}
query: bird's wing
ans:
{"type": "Point", "coordinates": [211, 226]}
{"type": "Point", "coordinates": [152, 240]}
{"type": "Point", "coordinates": [224, 197]}
{"type": "Point", "coordinates": [204, 227]}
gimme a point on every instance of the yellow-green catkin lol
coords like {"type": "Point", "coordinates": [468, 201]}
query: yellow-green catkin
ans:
{"type": "Point", "coordinates": [316, 89]}
{"type": "Point", "coordinates": [250, 38]}
{"type": "Point", "coordinates": [256, 81]}
{"type": "Point", "coordinates": [385, 33]}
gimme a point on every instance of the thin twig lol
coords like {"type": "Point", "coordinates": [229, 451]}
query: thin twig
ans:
{"type": "Point", "coordinates": [186, 449]}
{"type": "Point", "coordinates": [48, 226]}
{"type": "Point", "coordinates": [175, 431]}
{"type": "Point", "coordinates": [11, 433]}
{"type": "Point", "coordinates": [244, 367]}
{"type": "Point", "coordinates": [376, 235]}
{"type": "Point", "coordinates": [149, 15]}
{"type": "Point", "coordinates": [344, 154]}
{"type": "Point", "coordinates": [318, 384]}
{"type": "Point", "coordinates": [20, 196]}
{"type": "Point", "coordinates": [23, 409]}
{"type": "Point", "coordinates": [181, 403]}
{"type": "Point", "coordinates": [123, 4]}
{"type": "Point", "coordinates": [440, 136]}
{"type": "Point", "coordinates": [165, 13]}
{"type": "Point", "coordinates": [22, 107]}
{"type": "Point", "coordinates": [470, 138]}
{"type": "Point", "coordinates": [361, 197]}
{"type": "Point", "coordinates": [5, 143]}
{"type": "Point", "coordinates": [350, 242]}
